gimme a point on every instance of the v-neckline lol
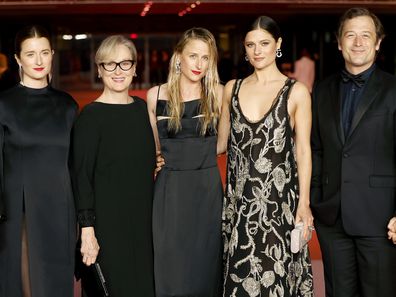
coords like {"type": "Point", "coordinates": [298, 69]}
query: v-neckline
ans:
{"type": "Point", "coordinates": [273, 104]}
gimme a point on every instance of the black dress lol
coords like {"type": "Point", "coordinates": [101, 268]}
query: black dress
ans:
{"type": "Point", "coordinates": [35, 126]}
{"type": "Point", "coordinates": [187, 210]}
{"type": "Point", "coordinates": [261, 204]}
{"type": "Point", "coordinates": [114, 161]}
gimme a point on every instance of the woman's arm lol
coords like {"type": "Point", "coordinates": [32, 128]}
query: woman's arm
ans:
{"type": "Point", "coordinates": [151, 108]}
{"type": "Point", "coordinates": [301, 100]}
{"type": "Point", "coordinates": [85, 143]}
{"type": "Point", "coordinates": [224, 124]}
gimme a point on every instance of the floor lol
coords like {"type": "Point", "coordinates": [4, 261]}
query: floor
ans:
{"type": "Point", "coordinates": [317, 269]}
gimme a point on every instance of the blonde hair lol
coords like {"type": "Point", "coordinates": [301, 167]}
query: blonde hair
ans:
{"type": "Point", "coordinates": [108, 46]}
{"type": "Point", "coordinates": [209, 105]}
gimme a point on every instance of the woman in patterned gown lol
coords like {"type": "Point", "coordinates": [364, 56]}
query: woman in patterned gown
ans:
{"type": "Point", "coordinates": [267, 119]}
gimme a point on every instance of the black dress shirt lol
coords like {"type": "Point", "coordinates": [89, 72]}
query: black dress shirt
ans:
{"type": "Point", "coordinates": [352, 87]}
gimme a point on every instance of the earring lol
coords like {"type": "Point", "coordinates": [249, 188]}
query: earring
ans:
{"type": "Point", "coordinates": [178, 68]}
{"type": "Point", "coordinates": [21, 74]}
{"type": "Point", "coordinates": [278, 53]}
{"type": "Point", "coordinates": [99, 75]}
{"type": "Point", "coordinates": [246, 58]}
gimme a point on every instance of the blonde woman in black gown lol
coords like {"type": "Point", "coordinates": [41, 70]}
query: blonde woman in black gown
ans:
{"type": "Point", "coordinates": [37, 240]}
{"type": "Point", "coordinates": [267, 119]}
{"type": "Point", "coordinates": [113, 165]}
{"type": "Point", "coordinates": [188, 192]}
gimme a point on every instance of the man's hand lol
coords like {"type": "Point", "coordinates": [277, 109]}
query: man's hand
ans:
{"type": "Point", "coordinates": [160, 162]}
{"type": "Point", "coordinates": [392, 230]}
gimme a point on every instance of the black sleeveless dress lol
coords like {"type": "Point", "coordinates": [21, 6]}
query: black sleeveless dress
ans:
{"type": "Point", "coordinates": [187, 209]}
{"type": "Point", "coordinates": [260, 206]}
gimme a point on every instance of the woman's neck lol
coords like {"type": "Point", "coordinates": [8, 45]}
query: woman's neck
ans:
{"type": "Point", "coordinates": [34, 83]}
{"type": "Point", "coordinates": [190, 90]}
{"type": "Point", "coordinates": [268, 74]}
{"type": "Point", "coordinates": [115, 97]}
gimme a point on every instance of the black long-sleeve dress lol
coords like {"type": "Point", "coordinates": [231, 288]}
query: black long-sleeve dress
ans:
{"type": "Point", "coordinates": [114, 161]}
{"type": "Point", "coordinates": [35, 126]}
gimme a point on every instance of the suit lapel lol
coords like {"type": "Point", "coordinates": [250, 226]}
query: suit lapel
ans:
{"type": "Point", "coordinates": [369, 94]}
{"type": "Point", "coordinates": [335, 94]}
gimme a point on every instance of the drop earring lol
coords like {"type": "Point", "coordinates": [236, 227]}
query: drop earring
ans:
{"type": "Point", "coordinates": [246, 58]}
{"type": "Point", "coordinates": [20, 70]}
{"type": "Point", "coordinates": [278, 53]}
{"type": "Point", "coordinates": [178, 68]}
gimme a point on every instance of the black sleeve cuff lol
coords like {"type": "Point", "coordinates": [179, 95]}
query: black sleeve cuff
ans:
{"type": "Point", "coordinates": [86, 218]}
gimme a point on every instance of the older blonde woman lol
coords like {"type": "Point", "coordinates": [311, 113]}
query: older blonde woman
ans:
{"type": "Point", "coordinates": [114, 159]}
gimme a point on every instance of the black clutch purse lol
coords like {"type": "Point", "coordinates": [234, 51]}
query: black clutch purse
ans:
{"type": "Point", "coordinates": [100, 280]}
{"type": "Point", "coordinates": [93, 281]}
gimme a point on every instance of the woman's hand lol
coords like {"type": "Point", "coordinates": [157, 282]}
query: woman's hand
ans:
{"type": "Point", "coordinates": [89, 245]}
{"type": "Point", "coordinates": [160, 162]}
{"type": "Point", "coordinates": [304, 215]}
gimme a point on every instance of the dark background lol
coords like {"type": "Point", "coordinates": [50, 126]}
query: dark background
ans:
{"type": "Point", "coordinates": [309, 24]}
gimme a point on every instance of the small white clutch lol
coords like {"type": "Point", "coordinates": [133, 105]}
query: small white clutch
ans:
{"type": "Point", "coordinates": [297, 237]}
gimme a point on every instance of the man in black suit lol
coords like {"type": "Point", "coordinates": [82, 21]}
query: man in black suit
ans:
{"type": "Point", "coordinates": [354, 165]}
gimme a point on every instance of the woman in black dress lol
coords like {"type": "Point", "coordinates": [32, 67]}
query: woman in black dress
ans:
{"type": "Point", "coordinates": [114, 160]}
{"type": "Point", "coordinates": [188, 190]}
{"type": "Point", "coordinates": [37, 240]}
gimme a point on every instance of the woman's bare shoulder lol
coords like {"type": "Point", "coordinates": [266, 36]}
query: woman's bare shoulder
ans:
{"type": "Point", "coordinates": [300, 93]}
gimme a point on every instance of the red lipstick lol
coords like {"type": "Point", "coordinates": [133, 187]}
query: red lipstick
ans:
{"type": "Point", "coordinates": [196, 72]}
{"type": "Point", "coordinates": [39, 68]}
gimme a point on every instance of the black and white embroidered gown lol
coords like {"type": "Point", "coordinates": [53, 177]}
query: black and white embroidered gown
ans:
{"type": "Point", "coordinates": [260, 206]}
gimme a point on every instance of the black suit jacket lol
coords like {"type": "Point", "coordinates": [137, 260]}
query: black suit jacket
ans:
{"type": "Point", "coordinates": [355, 173]}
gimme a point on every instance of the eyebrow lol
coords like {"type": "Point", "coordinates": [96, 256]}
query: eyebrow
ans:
{"type": "Point", "coordinates": [352, 31]}
{"type": "Point", "coordinates": [196, 53]}
{"type": "Point", "coordinates": [267, 39]}
{"type": "Point", "coordinates": [32, 51]}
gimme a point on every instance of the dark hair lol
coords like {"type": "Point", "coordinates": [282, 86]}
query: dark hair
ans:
{"type": "Point", "coordinates": [267, 24]}
{"type": "Point", "coordinates": [357, 12]}
{"type": "Point", "coordinates": [30, 32]}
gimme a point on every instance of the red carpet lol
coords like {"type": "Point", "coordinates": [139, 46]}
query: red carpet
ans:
{"type": "Point", "coordinates": [84, 97]}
